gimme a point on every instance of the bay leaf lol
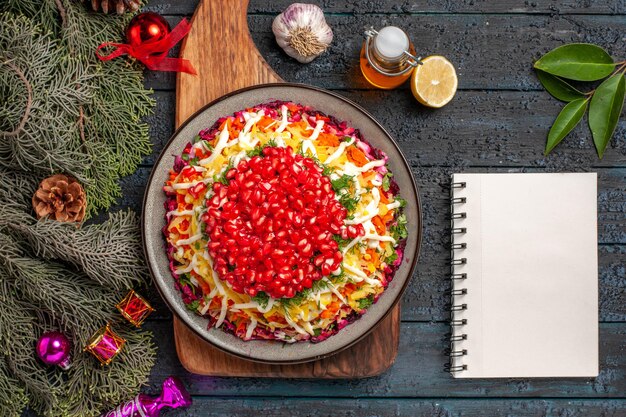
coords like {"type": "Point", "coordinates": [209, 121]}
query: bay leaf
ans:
{"type": "Point", "coordinates": [558, 88]}
{"type": "Point", "coordinates": [577, 61]}
{"type": "Point", "coordinates": [567, 120]}
{"type": "Point", "coordinates": [605, 110]}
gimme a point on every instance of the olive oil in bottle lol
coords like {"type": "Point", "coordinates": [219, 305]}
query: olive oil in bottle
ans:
{"type": "Point", "coordinates": [387, 57]}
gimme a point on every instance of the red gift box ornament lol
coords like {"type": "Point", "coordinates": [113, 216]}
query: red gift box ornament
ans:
{"type": "Point", "coordinates": [149, 41]}
{"type": "Point", "coordinates": [134, 308]}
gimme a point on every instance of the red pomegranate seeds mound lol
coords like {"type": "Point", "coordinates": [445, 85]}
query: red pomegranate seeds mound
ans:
{"type": "Point", "coordinates": [271, 228]}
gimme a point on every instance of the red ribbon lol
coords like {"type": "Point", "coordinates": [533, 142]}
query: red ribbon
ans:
{"type": "Point", "coordinates": [154, 54]}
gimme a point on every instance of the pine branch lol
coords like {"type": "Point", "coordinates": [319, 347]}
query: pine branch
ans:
{"type": "Point", "coordinates": [44, 137]}
{"type": "Point", "coordinates": [16, 188]}
{"type": "Point", "coordinates": [86, 116]}
{"type": "Point", "coordinates": [109, 253]}
{"type": "Point", "coordinates": [61, 110]}
{"type": "Point", "coordinates": [68, 297]}
{"type": "Point", "coordinates": [12, 396]}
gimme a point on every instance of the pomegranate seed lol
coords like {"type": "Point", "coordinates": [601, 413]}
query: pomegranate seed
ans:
{"type": "Point", "coordinates": [266, 224]}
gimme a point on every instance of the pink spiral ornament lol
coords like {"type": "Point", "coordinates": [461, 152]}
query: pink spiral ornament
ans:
{"type": "Point", "coordinates": [173, 395]}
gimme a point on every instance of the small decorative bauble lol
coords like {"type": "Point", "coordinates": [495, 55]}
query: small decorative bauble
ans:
{"type": "Point", "coordinates": [105, 344]}
{"type": "Point", "coordinates": [61, 198]}
{"type": "Point", "coordinates": [146, 27]}
{"type": "Point", "coordinates": [134, 308]}
{"type": "Point", "coordinates": [53, 348]}
{"type": "Point", "coordinates": [120, 6]}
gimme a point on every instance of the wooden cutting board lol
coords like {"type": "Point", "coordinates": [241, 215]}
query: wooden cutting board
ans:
{"type": "Point", "coordinates": [220, 48]}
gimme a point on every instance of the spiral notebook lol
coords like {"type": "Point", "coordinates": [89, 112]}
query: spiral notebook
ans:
{"type": "Point", "coordinates": [525, 276]}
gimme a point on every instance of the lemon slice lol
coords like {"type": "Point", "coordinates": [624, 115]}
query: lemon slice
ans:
{"type": "Point", "coordinates": [434, 82]}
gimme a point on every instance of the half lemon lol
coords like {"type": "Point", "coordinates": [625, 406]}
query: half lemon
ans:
{"type": "Point", "coordinates": [434, 82]}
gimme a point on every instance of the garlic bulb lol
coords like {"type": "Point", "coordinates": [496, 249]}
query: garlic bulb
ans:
{"type": "Point", "coordinates": [301, 30]}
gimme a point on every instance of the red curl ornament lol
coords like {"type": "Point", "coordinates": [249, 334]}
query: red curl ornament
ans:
{"type": "Point", "coordinates": [149, 40]}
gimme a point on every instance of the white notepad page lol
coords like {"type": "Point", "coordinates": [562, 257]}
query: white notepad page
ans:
{"type": "Point", "coordinates": [532, 275]}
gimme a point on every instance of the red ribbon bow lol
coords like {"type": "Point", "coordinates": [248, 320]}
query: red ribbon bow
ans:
{"type": "Point", "coordinates": [154, 54]}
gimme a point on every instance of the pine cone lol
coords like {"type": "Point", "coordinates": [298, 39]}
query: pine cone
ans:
{"type": "Point", "coordinates": [120, 6]}
{"type": "Point", "coordinates": [60, 197]}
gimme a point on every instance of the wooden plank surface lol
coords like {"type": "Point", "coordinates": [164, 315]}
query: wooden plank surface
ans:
{"type": "Point", "coordinates": [492, 51]}
{"type": "Point", "coordinates": [498, 121]}
{"type": "Point", "coordinates": [216, 24]}
{"type": "Point", "coordinates": [436, 407]}
{"type": "Point", "coordinates": [551, 7]}
{"type": "Point", "coordinates": [417, 372]}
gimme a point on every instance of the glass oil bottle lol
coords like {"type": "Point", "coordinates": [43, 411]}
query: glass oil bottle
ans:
{"type": "Point", "coordinates": [387, 57]}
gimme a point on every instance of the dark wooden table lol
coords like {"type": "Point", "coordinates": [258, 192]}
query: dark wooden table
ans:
{"type": "Point", "coordinates": [497, 123]}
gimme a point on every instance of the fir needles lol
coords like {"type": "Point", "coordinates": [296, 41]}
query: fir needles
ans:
{"type": "Point", "coordinates": [62, 111]}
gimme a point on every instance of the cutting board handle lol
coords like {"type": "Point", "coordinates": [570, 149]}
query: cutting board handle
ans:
{"type": "Point", "coordinates": [222, 51]}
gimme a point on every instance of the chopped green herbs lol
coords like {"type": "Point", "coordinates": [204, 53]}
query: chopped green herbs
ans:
{"type": "Point", "coordinates": [391, 258]}
{"type": "Point", "coordinates": [387, 181]}
{"type": "Point", "coordinates": [342, 243]}
{"type": "Point", "coordinates": [222, 177]}
{"type": "Point", "coordinates": [399, 230]}
{"type": "Point", "coordinates": [326, 170]}
{"type": "Point", "coordinates": [184, 279]}
{"type": "Point", "coordinates": [341, 183]}
{"type": "Point", "coordinates": [303, 295]}
{"type": "Point", "coordinates": [208, 145]}
{"type": "Point", "coordinates": [193, 306]}
{"type": "Point", "coordinates": [319, 285]}
{"type": "Point", "coordinates": [261, 299]}
{"type": "Point", "coordinates": [349, 202]}
{"type": "Point", "coordinates": [366, 302]}
{"type": "Point", "coordinates": [401, 200]}
{"type": "Point", "coordinates": [300, 150]}
{"type": "Point", "coordinates": [339, 279]}
{"type": "Point", "coordinates": [258, 150]}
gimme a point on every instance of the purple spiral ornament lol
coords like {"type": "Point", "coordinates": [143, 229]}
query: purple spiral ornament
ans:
{"type": "Point", "coordinates": [173, 395]}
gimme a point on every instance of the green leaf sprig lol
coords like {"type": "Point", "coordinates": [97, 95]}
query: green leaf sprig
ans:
{"type": "Point", "coordinates": [583, 62]}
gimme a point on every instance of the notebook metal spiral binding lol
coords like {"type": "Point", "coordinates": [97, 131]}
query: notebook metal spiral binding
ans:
{"type": "Point", "coordinates": [455, 365]}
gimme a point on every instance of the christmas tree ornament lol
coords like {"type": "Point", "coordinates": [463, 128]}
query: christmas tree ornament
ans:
{"type": "Point", "coordinates": [301, 30]}
{"type": "Point", "coordinates": [120, 6]}
{"type": "Point", "coordinates": [146, 27]}
{"type": "Point", "coordinates": [134, 308]}
{"type": "Point", "coordinates": [61, 198]}
{"type": "Point", "coordinates": [105, 344]}
{"type": "Point", "coordinates": [173, 395]}
{"type": "Point", "coordinates": [149, 40]}
{"type": "Point", "coordinates": [53, 348]}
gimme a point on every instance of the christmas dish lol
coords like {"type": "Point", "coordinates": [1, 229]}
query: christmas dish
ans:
{"type": "Point", "coordinates": [282, 223]}
{"type": "Point", "coordinates": [155, 221]}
